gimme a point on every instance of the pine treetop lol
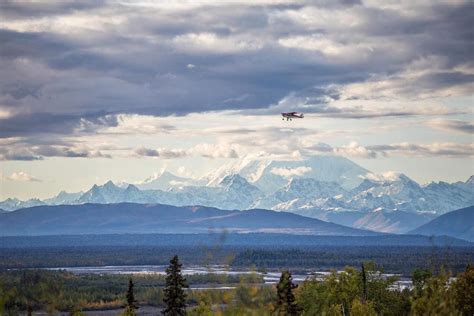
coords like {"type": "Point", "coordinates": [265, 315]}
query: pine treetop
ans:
{"type": "Point", "coordinates": [174, 295]}
{"type": "Point", "coordinates": [131, 302]}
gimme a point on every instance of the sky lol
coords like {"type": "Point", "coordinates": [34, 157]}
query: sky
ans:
{"type": "Point", "coordinates": [122, 90]}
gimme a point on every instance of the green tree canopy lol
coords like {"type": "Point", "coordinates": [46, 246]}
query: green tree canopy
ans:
{"type": "Point", "coordinates": [286, 304]}
{"type": "Point", "coordinates": [436, 298]}
{"type": "Point", "coordinates": [464, 291]}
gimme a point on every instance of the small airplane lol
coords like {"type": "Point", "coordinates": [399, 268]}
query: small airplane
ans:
{"type": "Point", "coordinates": [291, 115]}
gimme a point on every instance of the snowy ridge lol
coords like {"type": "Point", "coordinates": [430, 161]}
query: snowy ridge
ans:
{"type": "Point", "coordinates": [323, 187]}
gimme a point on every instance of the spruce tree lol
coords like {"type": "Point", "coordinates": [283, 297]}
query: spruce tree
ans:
{"type": "Point", "coordinates": [286, 304]}
{"type": "Point", "coordinates": [131, 302]}
{"type": "Point", "coordinates": [174, 296]}
{"type": "Point", "coordinates": [364, 284]}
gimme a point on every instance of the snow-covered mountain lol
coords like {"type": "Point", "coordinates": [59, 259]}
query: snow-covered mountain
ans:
{"type": "Point", "coordinates": [164, 181]}
{"type": "Point", "coordinates": [325, 187]}
{"type": "Point", "coordinates": [233, 192]}
{"type": "Point", "coordinates": [300, 192]}
{"type": "Point", "coordinates": [271, 175]}
{"type": "Point", "coordinates": [111, 193]}
{"type": "Point", "coordinates": [104, 194]}
{"type": "Point", "coordinates": [468, 185]}
{"type": "Point", "coordinates": [393, 203]}
{"type": "Point", "coordinates": [64, 198]}
{"type": "Point", "coordinates": [448, 197]}
{"type": "Point", "coordinates": [390, 194]}
{"type": "Point", "coordinates": [237, 192]}
{"type": "Point", "coordinates": [12, 204]}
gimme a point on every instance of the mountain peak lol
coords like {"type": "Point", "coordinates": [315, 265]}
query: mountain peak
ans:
{"type": "Point", "coordinates": [106, 193]}
{"type": "Point", "coordinates": [404, 178]}
{"type": "Point", "coordinates": [233, 179]}
{"type": "Point", "coordinates": [110, 187]}
{"type": "Point", "coordinates": [270, 175]}
{"type": "Point", "coordinates": [162, 181]}
{"type": "Point", "coordinates": [109, 184]}
{"type": "Point", "coordinates": [163, 175]}
{"type": "Point", "coordinates": [166, 174]}
{"type": "Point", "coordinates": [365, 185]}
{"type": "Point", "coordinates": [132, 187]}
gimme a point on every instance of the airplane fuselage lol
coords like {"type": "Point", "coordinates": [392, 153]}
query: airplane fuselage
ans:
{"type": "Point", "coordinates": [291, 115]}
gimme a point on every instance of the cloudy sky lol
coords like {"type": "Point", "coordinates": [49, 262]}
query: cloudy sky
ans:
{"type": "Point", "coordinates": [99, 90]}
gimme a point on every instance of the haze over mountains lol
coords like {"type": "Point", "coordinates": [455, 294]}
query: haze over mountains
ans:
{"type": "Point", "coordinates": [458, 224]}
{"type": "Point", "coordinates": [157, 218]}
{"type": "Point", "coordinates": [324, 187]}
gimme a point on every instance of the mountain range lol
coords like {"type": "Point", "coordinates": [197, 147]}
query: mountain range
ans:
{"type": "Point", "coordinates": [133, 218]}
{"type": "Point", "coordinates": [328, 188]}
{"type": "Point", "coordinates": [458, 224]}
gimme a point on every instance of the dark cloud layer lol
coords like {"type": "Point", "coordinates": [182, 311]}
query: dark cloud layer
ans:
{"type": "Point", "coordinates": [124, 58]}
{"type": "Point", "coordinates": [11, 9]}
{"type": "Point", "coordinates": [25, 151]}
{"type": "Point", "coordinates": [48, 123]}
{"type": "Point", "coordinates": [457, 126]}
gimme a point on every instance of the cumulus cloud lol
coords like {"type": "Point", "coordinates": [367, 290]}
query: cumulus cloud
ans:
{"type": "Point", "coordinates": [291, 172]}
{"type": "Point", "coordinates": [214, 44]}
{"type": "Point", "coordinates": [202, 150]}
{"type": "Point", "coordinates": [215, 151]}
{"type": "Point", "coordinates": [386, 176]}
{"type": "Point", "coordinates": [355, 150]}
{"type": "Point", "coordinates": [161, 152]}
{"type": "Point", "coordinates": [20, 176]}
{"type": "Point", "coordinates": [327, 47]}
